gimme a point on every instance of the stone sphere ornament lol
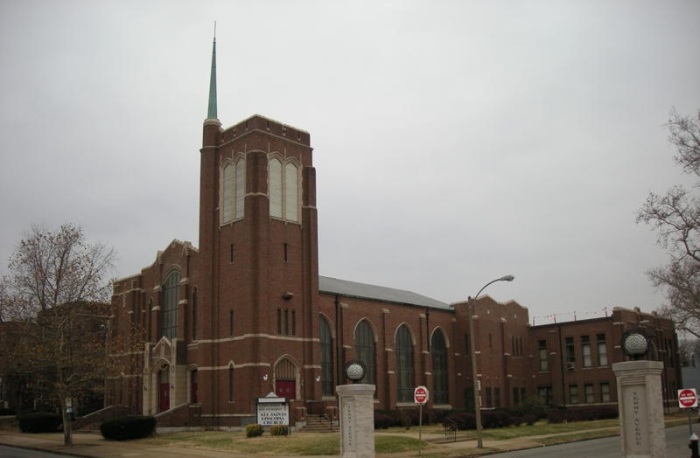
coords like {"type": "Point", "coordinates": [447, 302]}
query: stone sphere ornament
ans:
{"type": "Point", "coordinates": [635, 343]}
{"type": "Point", "coordinates": [355, 371]}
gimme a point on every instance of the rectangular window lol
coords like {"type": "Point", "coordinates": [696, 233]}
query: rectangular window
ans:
{"type": "Point", "coordinates": [546, 394]}
{"type": "Point", "coordinates": [542, 353]}
{"type": "Point", "coordinates": [467, 347]}
{"type": "Point", "coordinates": [230, 322]}
{"type": "Point", "coordinates": [469, 399]}
{"type": "Point", "coordinates": [194, 397]}
{"type": "Point", "coordinates": [294, 322]}
{"type": "Point", "coordinates": [516, 396]}
{"type": "Point", "coordinates": [497, 397]}
{"type": "Point", "coordinates": [602, 350]}
{"type": "Point", "coordinates": [279, 321]}
{"type": "Point", "coordinates": [588, 392]}
{"type": "Point", "coordinates": [573, 394]}
{"type": "Point", "coordinates": [489, 397]}
{"type": "Point", "coordinates": [604, 392]}
{"type": "Point", "coordinates": [570, 354]}
{"type": "Point", "coordinates": [586, 351]}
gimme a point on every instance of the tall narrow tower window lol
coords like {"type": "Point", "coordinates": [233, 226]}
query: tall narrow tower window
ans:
{"type": "Point", "coordinates": [291, 192]}
{"type": "Point", "coordinates": [232, 191]}
{"type": "Point", "coordinates": [227, 201]}
{"type": "Point", "coordinates": [284, 190]}
{"type": "Point", "coordinates": [240, 188]}
{"type": "Point", "coordinates": [275, 188]}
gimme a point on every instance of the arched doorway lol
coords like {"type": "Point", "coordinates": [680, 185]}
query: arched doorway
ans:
{"type": "Point", "coordinates": [286, 379]}
{"type": "Point", "coordinates": [164, 389]}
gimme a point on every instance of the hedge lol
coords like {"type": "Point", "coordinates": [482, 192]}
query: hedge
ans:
{"type": "Point", "coordinates": [253, 430]}
{"type": "Point", "coordinates": [40, 422]}
{"type": "Point", "coordinates": [127, 428]}
{"type": "Point", "coordinates": [279, 430]}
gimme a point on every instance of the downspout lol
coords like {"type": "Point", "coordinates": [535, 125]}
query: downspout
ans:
{"type": "Point", "coordinates": [562, 361]}
{"type": "Point", "coordinates": [338, 343]}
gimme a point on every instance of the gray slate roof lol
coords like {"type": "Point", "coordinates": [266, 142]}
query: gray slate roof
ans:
{"type": "Point", "coordinates": [380, 293]}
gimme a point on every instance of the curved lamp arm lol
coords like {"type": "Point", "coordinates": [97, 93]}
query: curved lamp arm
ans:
{"type": "Point", "coordinates": [504, 278]}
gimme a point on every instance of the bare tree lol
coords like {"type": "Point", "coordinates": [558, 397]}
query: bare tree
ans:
{"type": "Point", "coordinates": [56, 297]}
{"type": "Point", "coordinates": [675, 216]}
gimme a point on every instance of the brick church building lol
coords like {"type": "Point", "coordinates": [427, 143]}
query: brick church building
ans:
{"type": "Point", "coordinates": [246, 313]}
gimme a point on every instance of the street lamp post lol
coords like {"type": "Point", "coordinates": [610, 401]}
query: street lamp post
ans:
{"type": "Point", "coordinates": [477, 398]}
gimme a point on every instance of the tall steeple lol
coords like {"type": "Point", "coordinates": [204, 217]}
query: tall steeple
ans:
{"type": "Point", "coordinates": [211, 111]}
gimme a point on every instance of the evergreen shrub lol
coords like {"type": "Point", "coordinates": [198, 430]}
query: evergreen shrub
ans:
{"type": "Point", "coordinates": [279, 430]}
{"type": "Point", "coordinates": [253, 430]}
{"type": "Point", "coordinates": [127, 428]}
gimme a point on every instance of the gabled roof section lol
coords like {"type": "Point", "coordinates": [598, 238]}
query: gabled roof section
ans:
{"type": "Point", "coordinates": [347, 288]}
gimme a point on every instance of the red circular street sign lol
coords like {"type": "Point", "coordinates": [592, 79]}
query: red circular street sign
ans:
{"type": "Point", "coordinates": [687, 398]}
{"type": "Point", "coordinates": [420, 395]}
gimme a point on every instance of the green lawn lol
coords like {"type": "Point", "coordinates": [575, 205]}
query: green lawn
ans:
{"type": "Point", "coordinates": [398, 441]}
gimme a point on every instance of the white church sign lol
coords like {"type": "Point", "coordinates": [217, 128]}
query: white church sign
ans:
{"type": "Point", "coordinates": [273, 410]}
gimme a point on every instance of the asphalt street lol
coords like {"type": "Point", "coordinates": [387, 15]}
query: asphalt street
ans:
{"type": "Point", "coordinates": [13, 452]}
{"type": "Point", "coordinates": [608, 447]}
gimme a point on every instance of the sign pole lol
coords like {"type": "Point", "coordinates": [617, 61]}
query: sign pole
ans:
{"type": "Point", "coordinates": [688, 399]}
{"type": "Point", "coordinates": [420, 397]}
{"type": "Point", "coordinates": [420, 426]}
{"type": "Point", "coordinates": [690, 423]}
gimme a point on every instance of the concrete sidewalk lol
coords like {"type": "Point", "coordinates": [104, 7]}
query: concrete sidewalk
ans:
{"type": "Point", "coordinates": [94, 445]}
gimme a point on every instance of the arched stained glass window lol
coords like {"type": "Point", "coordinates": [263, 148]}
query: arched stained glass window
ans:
{"type": "Point", "coordinates": [404, 364]}
{"type": "Point", "coordinates": [438, 352]}
{"type": "Point", "coordinates": [365, 350]}
{"type": "Point", "coordinates": [169, 305]}
{"type": "Point", "coordinates": [326, 358]}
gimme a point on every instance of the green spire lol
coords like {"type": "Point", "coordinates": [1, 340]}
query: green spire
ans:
{"type": "Point", "coordinates": [211, 112]}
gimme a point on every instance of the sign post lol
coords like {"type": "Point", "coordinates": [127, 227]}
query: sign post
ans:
{"type": "Point", "coordinates": [688, 399]}
{"type": "Point", "coordinates": [420, 397]}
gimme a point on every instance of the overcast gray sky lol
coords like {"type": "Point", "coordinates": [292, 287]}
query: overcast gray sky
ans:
{"type": "Point", "coordinates": [454, 141]}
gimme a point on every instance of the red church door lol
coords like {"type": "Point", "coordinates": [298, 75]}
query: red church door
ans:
{"type": "Point", "coordinates": [164, 389]}
{"type": "Point", "coordinates": [164, 397]}
{"type": "Point", "coordinates": [286, 389]}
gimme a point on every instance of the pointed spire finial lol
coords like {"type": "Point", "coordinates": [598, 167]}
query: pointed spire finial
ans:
{"type": "Point", "coordinates": [211, 111]}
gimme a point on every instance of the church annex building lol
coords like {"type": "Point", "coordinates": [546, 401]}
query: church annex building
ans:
{"type": "Point", "coordinates": [246, 313]}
